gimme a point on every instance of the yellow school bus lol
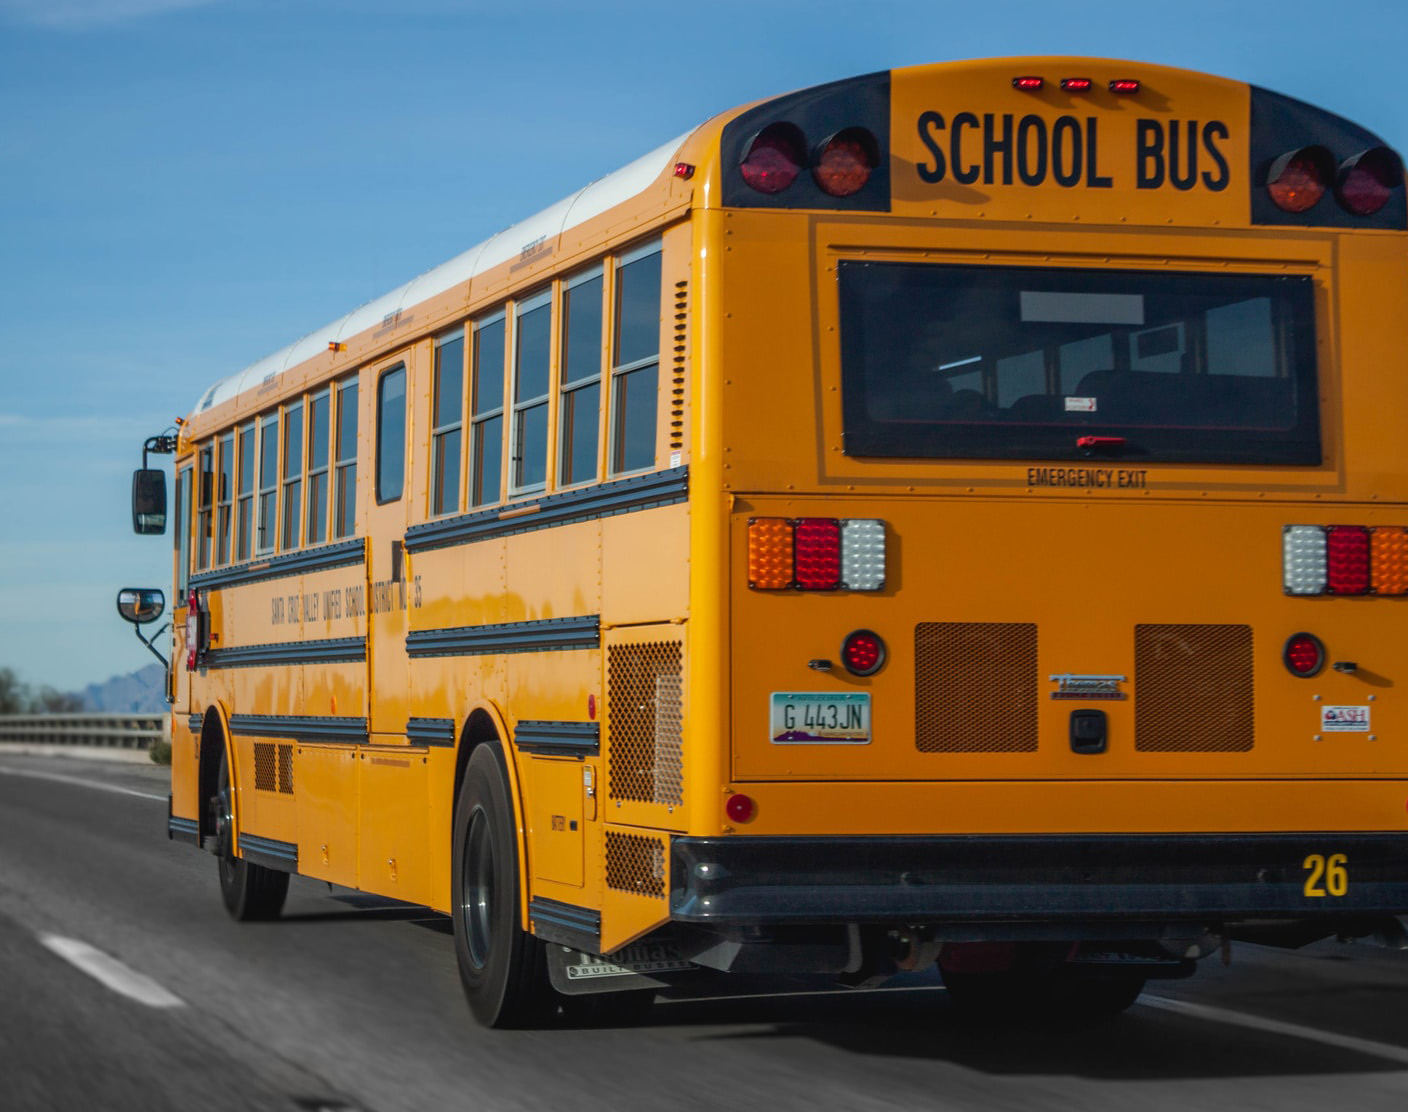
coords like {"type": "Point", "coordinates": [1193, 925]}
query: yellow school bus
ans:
{"type": "Point", "coordinates": [950, 515]}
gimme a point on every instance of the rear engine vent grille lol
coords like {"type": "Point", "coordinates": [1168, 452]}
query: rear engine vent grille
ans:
{"type": "Point", "coordinates": [273, 767]}
{"type": "Point", "coordinates": [286, 769]}
{"type": "Point", "coordinates": [266, 776]}
{"type": "Point", "coordinates": [1193, 688]}
{"type": "Point", "coordinates": [645, 715]}
{"type": "Point", "coordinates": [635, 863]}
{"type": "Point", "coordinates": [976, 687]}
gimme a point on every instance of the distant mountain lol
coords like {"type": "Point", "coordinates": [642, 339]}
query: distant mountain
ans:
{"type": "Point", "coordinates": [139, 692]}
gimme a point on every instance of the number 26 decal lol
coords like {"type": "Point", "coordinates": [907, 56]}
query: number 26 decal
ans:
{"type": "Point", "coordinates": [1329, 876]}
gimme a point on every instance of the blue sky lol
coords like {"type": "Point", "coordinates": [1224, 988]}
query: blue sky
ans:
{"type": "Point", "coordinates": [188, 185]}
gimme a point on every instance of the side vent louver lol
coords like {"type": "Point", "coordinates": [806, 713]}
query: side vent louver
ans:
{"type": "Point", "coordinates": [678, 366]}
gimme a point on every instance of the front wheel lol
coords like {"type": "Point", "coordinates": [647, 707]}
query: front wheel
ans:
{"type": "Point", "coordinates": [250, 892]}
{"type": "Point", "coordinates": [502, 967]}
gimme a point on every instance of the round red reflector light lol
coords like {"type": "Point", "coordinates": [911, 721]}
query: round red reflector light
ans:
{"type": "Point", "coordinates": [1304, 655]}
{"type": "Point", "coordinates": [740, 807]}
{"type": "Point", "coordinates": [1297, 180]}
{"type": "Point", "coordinates": [846, 162]}
{"type": "Point", "coordinates": [774, 158]}
{"type": "Point", "coordinates": [1368, 180]}
{"type": "Point", "coordinates": [863, 652]}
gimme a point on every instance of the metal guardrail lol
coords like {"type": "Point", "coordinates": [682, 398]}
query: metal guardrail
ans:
{"type": "Point", "coordinates": [114, 731]}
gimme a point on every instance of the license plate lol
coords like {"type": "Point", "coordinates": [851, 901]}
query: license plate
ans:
{"type": "Point", "coordinates": [816, 718]}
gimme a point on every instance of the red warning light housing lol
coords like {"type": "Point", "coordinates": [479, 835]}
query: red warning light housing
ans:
{"type": "Point", "coordinates": [775, 158]}
{"type": "Point", "coordinates": [1124, 86]}
{"type": "Point", "coordinates": [1028, 84]}
{"type": "Point", "coordinates": [1304, 655]}
{"type": "Point", "coordinates": [1076, 84]}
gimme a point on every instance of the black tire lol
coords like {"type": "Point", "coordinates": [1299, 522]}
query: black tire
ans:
{"type": "Point", "coordinates": [502, 967]}
{"type": "Point", "coordinates": [251, 892]}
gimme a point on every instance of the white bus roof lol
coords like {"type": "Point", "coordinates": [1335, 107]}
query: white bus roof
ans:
{"type": "Point", "coordinates": [580, 207]}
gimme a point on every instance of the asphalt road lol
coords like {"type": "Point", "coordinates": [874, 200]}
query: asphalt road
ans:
{"type": "Point", "coordinates": [353, 1003]}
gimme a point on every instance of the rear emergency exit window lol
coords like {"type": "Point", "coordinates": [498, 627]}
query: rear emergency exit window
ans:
{"type": "Point", "coordinates": [1037, 363]}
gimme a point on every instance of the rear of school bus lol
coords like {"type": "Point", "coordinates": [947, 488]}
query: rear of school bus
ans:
{"type": "Point", "coordinates": [1054, 475]}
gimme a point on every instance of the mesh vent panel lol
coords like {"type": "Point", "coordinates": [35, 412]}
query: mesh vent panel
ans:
{"type": "Point", "coordinates": [266, 775]}
{"type": "Point", "coordinates": [286, 769]}
{"type": "Point", "coordinates": [1193, 688]}
{"type": "Point", "coordinates": [975, 687]}
{"type": "Point", "coordinates": [635, 863]}
{"type": "Point", "coordinates": [645, 733]}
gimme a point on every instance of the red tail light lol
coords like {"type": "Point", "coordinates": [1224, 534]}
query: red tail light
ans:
{"type": "Point", "coordinates": [740, 808]}
{"type": "Point", "coordinates": [1368, 180]}
{"type": "Point", "coordinates": [863, 652]}
{"type": "Point", "coordinates": [1298, 179]}
{"type": "Point", "coordinates": [774, 158]}
{"type": "Point", "coordinates": [1347, 552]}
{"type": "Point", "coordinates": [818, 554]}
{"type": "Point", "coordinates": [1304, 655]}
{"type": "Point", "coordinates": [846, 162]}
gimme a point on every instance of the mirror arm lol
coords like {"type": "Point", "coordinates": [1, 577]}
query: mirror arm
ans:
{"type": "Point", "coordinates": [150, 647]}
{"type": "Point", "coordinates": [162, 445]}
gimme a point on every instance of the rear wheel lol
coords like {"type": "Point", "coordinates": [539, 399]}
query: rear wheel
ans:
{"type": "Point", "coordinates": [251, 892]}
{"type": "Point", "coordinates": [502, 967]}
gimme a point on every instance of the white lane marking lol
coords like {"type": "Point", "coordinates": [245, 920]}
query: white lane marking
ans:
{"type": "Point", "coordinates": [1388, 1051]}
{"type": "Point", "coordinates": [60, 778]}
{"type": "Point", "coordinates": [111, 972]}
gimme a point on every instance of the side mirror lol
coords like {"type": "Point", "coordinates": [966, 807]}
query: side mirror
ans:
{"type": "Point", "coordinates": [140, 605]}
{"type": "Point", "coordinates": [148, 502]}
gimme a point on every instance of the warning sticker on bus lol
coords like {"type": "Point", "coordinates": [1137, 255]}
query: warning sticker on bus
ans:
{"type": "Point", "coordinates": [1344, 720]}
{"type": "Point", "coordinates": [820, 718]}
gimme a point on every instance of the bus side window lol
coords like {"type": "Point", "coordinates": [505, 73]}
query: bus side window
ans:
{"type": "Point", "coordinates": [204, 506]}
{"type": "Point", "coordinates": [580, 377]}
{"type": "Point", "coordinates": [244, 503]}
{"type": "Point", "coordinates": [447, 425]}
{"type": "Point", "coordinates": [182, 536]}
{"type": "Point", "coordinates": [636, 363]}
{"type": "Point", "coordinates": [291, 533]}
{"type": "Point", "coordinates": [391, 435]}
{"type": "Point", "coordinates": [531, 379]}
{"type": "Point", "coordinates": [345, 480]}
{"type": "Point", "coordinates": [487, 426]}
{"type": "Point", "coordinates": [318, 468]}
{"type": "Point", "coordinates": [268, 483]}
{"type": "Point", "coordinates": [224, 496]}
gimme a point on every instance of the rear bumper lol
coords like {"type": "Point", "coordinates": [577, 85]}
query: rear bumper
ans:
{"type": "Point", "coordinates": [1077, 879]}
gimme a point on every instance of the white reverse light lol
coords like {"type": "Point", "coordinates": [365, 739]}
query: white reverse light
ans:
{"type": "Point", "coordinates": [1303, 559]}
{"type": "Point", "coordinates": [862, 554]}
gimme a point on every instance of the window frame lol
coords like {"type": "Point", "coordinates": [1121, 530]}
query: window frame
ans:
{"type": "Point", "coordinates": [245, 441]}
{"type": "Point", "coordinates": [291, 457]}
{"type": "Point", "coordinates": [224, 497]}
{"type": "Point", "coordinates": [343, 494]}
{"type": "Point", "coordinates": [566, 402]}
{"type": "Point", "coordinates": [266, 494]}
{"type": "Point", "coordinates": [380, 457]}
{"type": "Point", "coordinates": [438, 506]}
{"type": "Point", "coordinates": [620, 384]}
{"type": "Point", "coordinates": [521, 407]}
{"type": "Point", "coordinates": [315, 525]}
{"type": "Point", "coordinates": [475, 494]}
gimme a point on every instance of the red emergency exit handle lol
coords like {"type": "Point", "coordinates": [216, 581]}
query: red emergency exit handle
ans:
{"type": "Point", "coordinates": [1099, 443]}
